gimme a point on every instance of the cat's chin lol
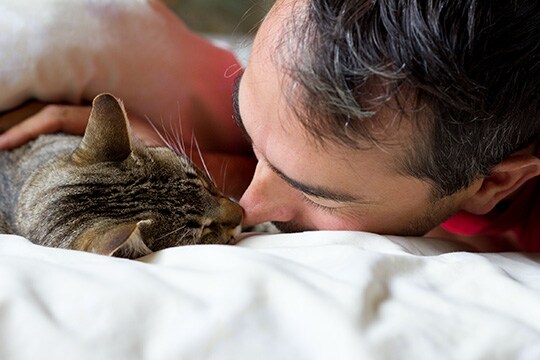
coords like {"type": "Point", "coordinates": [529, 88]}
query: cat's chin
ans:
{"type": "Point", "coordinates": [119, 240]}
{"type": "Point", "coordinates": [132, 252]}
{"type": "Point", "coordinates": [228, 236]}
{"type": "Point", "coordinates": [235, 234]}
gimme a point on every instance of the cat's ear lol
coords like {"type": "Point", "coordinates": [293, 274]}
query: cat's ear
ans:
{"type": "Point", "coordinates": [107, 134]}
{"type": "Point", "coordinates": [126, 237]}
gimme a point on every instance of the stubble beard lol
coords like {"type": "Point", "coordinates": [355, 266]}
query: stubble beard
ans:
{"type": "Point", "coordinates": [290, 227]}
{"type": "Point", "coordinates": [437, 212]}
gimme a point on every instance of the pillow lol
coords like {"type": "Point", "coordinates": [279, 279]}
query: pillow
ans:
{"type": "Point", "coordinates": [72, 50]}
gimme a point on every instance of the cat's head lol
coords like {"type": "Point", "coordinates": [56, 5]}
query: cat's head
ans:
{"type": "Point", "coordinates": [114, 196]}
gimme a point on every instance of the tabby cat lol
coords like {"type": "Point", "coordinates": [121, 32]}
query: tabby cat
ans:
{"type": "Point", "coordinates": [109, 194]}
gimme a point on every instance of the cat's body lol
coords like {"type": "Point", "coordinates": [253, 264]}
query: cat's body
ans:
{"type": "Point", "coordinates": [109, 195]}
{"type": "Point", "coordinates": [19, 165]}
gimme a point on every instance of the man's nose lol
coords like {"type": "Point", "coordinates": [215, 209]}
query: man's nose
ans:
{"type": "Point", "coordinates": [268, 198]}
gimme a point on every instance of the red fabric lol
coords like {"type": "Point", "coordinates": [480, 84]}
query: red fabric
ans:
{"type": "Point", "coordinates": [521, 218]}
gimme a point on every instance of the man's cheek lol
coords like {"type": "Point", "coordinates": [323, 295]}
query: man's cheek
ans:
{"type": "Point", "coordinates": [340, 222]}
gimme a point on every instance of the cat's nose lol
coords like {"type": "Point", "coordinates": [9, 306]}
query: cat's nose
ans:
{"type": "Point", "coordinates": [230, 213]}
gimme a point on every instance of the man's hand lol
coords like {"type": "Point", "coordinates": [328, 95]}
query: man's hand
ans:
{"type": "Point", "coordinates": [33, 119]}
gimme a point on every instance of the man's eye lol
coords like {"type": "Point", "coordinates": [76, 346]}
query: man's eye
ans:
{"type": "Point", "coordinates": [318, 206]}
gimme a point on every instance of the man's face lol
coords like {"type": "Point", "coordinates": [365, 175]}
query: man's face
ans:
{"type": "Point", "coordinates": [301, 185]}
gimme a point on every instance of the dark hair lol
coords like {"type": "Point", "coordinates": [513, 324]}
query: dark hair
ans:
{"type": "Point", "coordinates": [471, 66]}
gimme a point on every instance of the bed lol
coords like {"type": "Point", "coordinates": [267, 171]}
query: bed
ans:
{"type": "Point", "coordinates": [311, 295]}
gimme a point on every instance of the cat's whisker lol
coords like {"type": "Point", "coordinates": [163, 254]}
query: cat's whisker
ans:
{"type": "Point", "coordinates": [177, 140]}
{"type": "Point", "coordinates": [182, 142]}
{"type": "Point", "coordinates": [170, 141]}
{"type": "Point", "coordinates": [158, 132]}
{"type": "Point", "coordinates": [224, 174]}
{"type": "Point", "coordinates": [202, 161]}
{"type": "Point", "coordinates": [171, 232]}
{"type": "Point", "coordinates": [191, 147]}
{"type": "Point", "coordinates": [175, 137]}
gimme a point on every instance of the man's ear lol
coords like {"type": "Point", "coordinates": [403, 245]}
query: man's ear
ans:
{"type": "Point", "coordinates": [504, 179]}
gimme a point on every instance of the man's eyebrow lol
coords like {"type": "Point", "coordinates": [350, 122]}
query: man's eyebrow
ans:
{"type": "Point", "coordinates": [236, 108]}
{"type": "Point", "coordinates": [316, 191]}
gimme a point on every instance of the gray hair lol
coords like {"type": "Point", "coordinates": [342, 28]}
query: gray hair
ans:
{"type": "Point", "coordinates": [471, 68]}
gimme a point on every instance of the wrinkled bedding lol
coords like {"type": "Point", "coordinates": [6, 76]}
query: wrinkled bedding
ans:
{"type": "Point", "coordinates": [313, 295]}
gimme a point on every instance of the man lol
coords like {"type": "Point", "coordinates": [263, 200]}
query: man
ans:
{"type": "Point", "coordinates": [393, 116]}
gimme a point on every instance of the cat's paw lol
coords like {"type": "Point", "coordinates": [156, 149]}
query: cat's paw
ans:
{"type": "Point", "coordinates": [266, 227]}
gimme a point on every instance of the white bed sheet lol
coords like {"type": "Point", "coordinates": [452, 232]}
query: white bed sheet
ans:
{"type": "Point", "coordinates": [315, 295]}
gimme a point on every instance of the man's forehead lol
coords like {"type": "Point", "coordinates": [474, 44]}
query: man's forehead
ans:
{"type": "Point", "coordinates": [390, 114]}
{"type": "Point", "coordinates": [265, 89]}
{"type": "Point", "coordinates": [275, 25]}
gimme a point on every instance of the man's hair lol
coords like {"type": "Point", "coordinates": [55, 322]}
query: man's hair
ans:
{"type": "Point", "coordinates": [470, 68]}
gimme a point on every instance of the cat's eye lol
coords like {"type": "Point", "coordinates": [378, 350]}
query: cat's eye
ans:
{"type": "Point", "coordinates": [208, 226]}
{"type": "Point", "coordinates": [208, 223]}
{"type": "Point", "coordinates": [193, 224]}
